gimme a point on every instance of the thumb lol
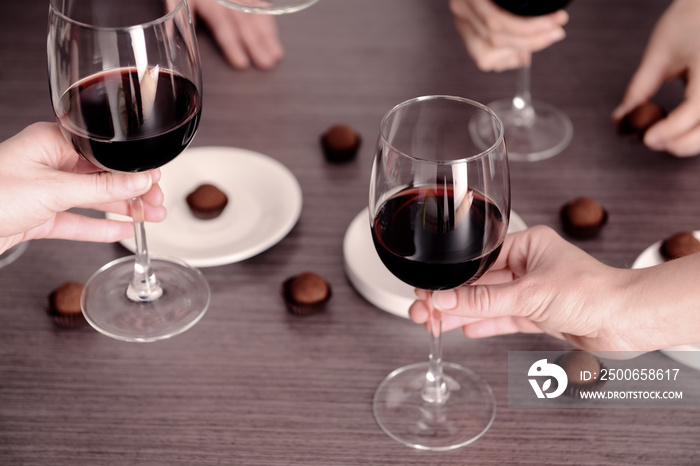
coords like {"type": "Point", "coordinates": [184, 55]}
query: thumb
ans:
{"type": "Point", "coordinates": [478, 301]}
{"type": "Point", "coordinates": [103, 187]}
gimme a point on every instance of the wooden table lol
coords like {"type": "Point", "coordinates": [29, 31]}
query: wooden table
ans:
{"type": "Point", "coordinates": [253, 385]}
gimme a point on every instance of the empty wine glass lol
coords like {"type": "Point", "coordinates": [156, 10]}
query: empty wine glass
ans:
{"type": "Point", "coordinates": [126, 89]}
{"type": "Point", "coordinates": [534, 130]}
{"type": "Point", "coordinates": [439, 209]}
{"type": "Point", "coordinates": [270, 7]}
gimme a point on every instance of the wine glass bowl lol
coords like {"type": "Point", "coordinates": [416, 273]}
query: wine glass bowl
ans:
{"type": "Point", "coordinates": [532, 7]}
{"type": "Point", "coordinates": [126, 88]}
{"type": "Point", "coordinates": [439, 208]}
{"type": "Point", "coordinates": [270, 7]}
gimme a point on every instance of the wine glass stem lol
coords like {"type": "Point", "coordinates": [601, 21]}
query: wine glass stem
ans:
{"type": "Point", "coordinates": [435, 388]}
{"type": "Point", "coordinates": [144, 285]}
{"type": "Point", "coordinates": [522, 102]}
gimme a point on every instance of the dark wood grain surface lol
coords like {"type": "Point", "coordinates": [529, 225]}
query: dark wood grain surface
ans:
{"type": "Point", "coordinates": [251, 384]}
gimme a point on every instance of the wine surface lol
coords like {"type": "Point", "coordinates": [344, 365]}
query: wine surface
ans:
{"type": "Point", "coordinates": [432, 240]}
{"type": "Point", "coordinates": [119, 120]}
{"type": "Point", "coordinates": [532, 7]}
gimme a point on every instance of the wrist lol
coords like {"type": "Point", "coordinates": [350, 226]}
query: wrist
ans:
{"type": "Point", "coordinates": [662, 304]}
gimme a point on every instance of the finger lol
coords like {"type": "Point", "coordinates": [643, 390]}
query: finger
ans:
{"type": "Point", "coordinates": [686, 145]}
{"type": "Point", "coordinates": [495, 277]}
{"type": "Point", "coordinates": [223, 25]}
{"type": "Point", "coordinates": [422, 294]}
{"type": "Point", "coordinates": [451, 322]}
{"type": "Point", "coordinates": [514, 252]}
{"type": "Point", "coordinates": [69, 225]}
{"type": "Point", "coordinates": [154, 197]}
{"type": "Point", "coordinates": [154, 211]}
{"type": "Point", "coordinates": [644, 84]}
{"type": "Point", "coordinates": [151, 214]}
{"type": "Point", "coordinates": [480, 301]}
{"type": "Point", "coordinates": [477, 41]}
{"type": "Point", "coordinates": [499, 326]}
{"type": "Point", "coordinates": [78, 190]}
{"type": "Point", "coordinates": [670, 133]}
{"type": "Point", "coordinates": [488, 58]}
{"type": "Point", "coordinates": [261, 39]}
{"type": "Point", "coordinates": [419, 312]}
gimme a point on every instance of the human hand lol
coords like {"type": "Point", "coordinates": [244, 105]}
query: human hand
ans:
{"type": "Point", "coordinates": [41, 176]}
{"type": "Point", "coordinates": [498, 40]}
{"type": "Point", "coordinates": [673, 52]}
{"type": "Point", "coordinates": [540, 283]}
{"type": "Point", "coordinates": [242, 37]}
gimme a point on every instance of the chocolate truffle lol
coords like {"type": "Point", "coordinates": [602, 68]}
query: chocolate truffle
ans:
{"type": "Point", "coordinates": [63, 305]}
{"type": "Point", "coordinates": [306, 293]}
{"type": "Point", "coordinates": [678, 245]}
{"type": "Point", "coordinates": [583, 217]}
{"type": "Point", "coordinates": [641, 118]}
{"type": "Point", "coordinates": [340, 143]}
{"type": "Point", "coordinates": [207, 201]}
{"type": "Point", "coordinates": [577, 363]}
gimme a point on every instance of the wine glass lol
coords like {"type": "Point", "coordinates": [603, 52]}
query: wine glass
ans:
{"type": "Point", "coordinates": [270, 7]}
{"type": "Point", "coordinates": [10, 255]}
{"type": "Point", "coordinates": [126, 88]}
{"type": "Point", "coordinates": [534, 130]}
{"type": "Point", "coordinates": [439, 209]}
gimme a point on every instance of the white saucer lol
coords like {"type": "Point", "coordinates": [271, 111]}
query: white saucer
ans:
{"type": "Point", "coordinates": [265, 202]}
{"type": "Point", "coordinates": [371, 278]}
{"type": "Point", "coordinates": [685, 354]}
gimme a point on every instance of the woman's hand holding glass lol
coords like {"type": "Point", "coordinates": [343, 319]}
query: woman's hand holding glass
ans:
{"type": "Point", "coordinates": [541, 283]}
{"type": "Point", "coordinates": [498, 40]}
{"type": "Point", "coordinates": [40, 168]}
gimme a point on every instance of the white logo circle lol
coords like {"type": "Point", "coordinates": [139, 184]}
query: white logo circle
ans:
{"type": "Point", "coordinates": [542, 368]}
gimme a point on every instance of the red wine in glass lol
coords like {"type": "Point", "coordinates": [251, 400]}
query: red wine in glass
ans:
{"type": "Point", "coordinates": [427, 241]}
{"type": "Point", "coordinates": [113, 123]}
{"type": "Point", "coordinates": [532, 7]}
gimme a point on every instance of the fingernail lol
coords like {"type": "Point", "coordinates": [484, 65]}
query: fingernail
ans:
{"type": "Point", "coordinates": [139, 181]}
{"type": "Point", "coordinates": [445, 300]}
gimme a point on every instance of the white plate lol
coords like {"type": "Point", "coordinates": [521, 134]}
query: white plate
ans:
{"type": "Point", "coordinates": [371, 278]}
{"type": "Point", "coordinates": [686, 354]}
{"type": "Point", "coordinates": [265, 202]}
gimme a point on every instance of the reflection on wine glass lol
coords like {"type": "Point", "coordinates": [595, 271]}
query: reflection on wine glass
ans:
{"type": "Point", "coordinates": [439, 209]}
{"type": "Point", "coordinates": [12, 254]}
{"type": "Point", "coordinates": [534, 130]}
{"type": "Point", "coordinates": [126, 88]}
{"type": "Point", "coordinates": [270, 7]}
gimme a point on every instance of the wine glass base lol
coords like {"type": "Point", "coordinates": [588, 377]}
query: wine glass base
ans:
{"type": "Point", "coordinates": [269, 7]}
{"type": "Point", "coordinates": [547, 135]}
{"type": "Point", "coordinates": [107, 308]}
{"type": "Point", "coordinates": [463, 418]}
{"type": "Point", "coordinates": [12, 254]}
